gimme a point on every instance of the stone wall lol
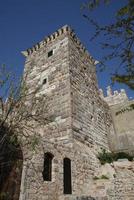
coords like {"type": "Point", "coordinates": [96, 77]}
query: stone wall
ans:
{"type": "Point", "coordinates": [119, 184]}
{"type": "Point", "coordinates": [114, 97]}
{"type": "Point", "coordinates": [123, 115]}
{"type": "Point", "coordinates": [55, 135]}
{"type": "Point", "coordinates": [122, 138]}
{"type": "Point", "coordinates": [56, 90]}
{"type": "Point", "coordinates": [79, 122]}
{"type": "Point", "coordinates": [90, 114]}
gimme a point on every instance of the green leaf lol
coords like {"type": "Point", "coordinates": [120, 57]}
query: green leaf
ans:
{"type": "Point", "coordinates": [123, 11]}
{"type": "Point", "coordinates": [130, 32]}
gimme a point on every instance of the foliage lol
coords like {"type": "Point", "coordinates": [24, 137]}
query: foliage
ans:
{"type": "Point", "coordinates": [4, 196]}
{"type": "Point", "coordinates": [96, 178]}
{"type": "Point", "coordinates": [13, 140]}
{"type": "Point", "coordinates": [34, 142]}
{"type": "Point", "coordinates": [109, 157]}
{"type": "Point", "coordinates": [104, 177]}
{"type": "Point", "coordinates": [101, 177]}
{"type": "Point", "coordinates": [121, 155]}
{"type": "Point", "coordinates": [105, 157]}
{"type": "Point", "coordinates": [119, 39]}
{"type": "Point", "coordinates": [20, 109]}
{"type": "Point", "coordinates": [21, 112]}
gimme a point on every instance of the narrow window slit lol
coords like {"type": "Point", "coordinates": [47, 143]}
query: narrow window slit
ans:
{"type": "Point", "coordinates": [67, 176]}
{"type": "Point", "coordinates": [44, 81]}
{"type": "Point", "coordinates": [47, 171]}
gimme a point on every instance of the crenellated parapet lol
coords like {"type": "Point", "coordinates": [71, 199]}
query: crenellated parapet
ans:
{"type": "Point", "coordinates": [114, 97]}
{"type": "Point", "coordinates": [50, 38]}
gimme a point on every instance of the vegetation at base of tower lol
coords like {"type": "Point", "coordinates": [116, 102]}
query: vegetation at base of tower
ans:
{"type": "Point", "coordinates": [100, 177]}
{"type": "Point", "coordinates": [103, 177]}
{"type": "Point", "coordinates": [109, 157]}
{"type": "Point", "coordinates": [119, 39]}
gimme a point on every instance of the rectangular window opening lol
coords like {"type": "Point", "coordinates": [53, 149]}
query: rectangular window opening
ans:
{"type": "Point", "coordinates": [50, 53]}
{"type": "Point", "coordinates": [44, 81]}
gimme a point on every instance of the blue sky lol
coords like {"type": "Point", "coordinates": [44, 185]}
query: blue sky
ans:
{"type": "Point", "coordinates": [26, 22]}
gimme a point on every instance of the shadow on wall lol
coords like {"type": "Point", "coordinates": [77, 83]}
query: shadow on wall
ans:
{"type": "Point", "coordinates": [11, 160]}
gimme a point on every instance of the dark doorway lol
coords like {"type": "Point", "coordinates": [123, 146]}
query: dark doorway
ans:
{"type": "Point", "coordinates": [67, 176]}
{"type": "Point", "coordinates": [47, 171]}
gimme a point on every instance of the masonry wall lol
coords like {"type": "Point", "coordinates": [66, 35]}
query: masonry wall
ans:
{"type": "Point", "coordinates": [82, 173]}
{"type": "Point", "coordinates": [119, 184]}
{"type": "Point", "coordinates": [91, 119]}
{"type": "Point", "coordinates": [55, 135]}
{"type": "Point", "coordinates": [122, 112]}
{"type": "Point", "coordinates": [56, 91]}
{"type": "Point", "coordinates": [79, 124]}
{"type": "Point", "coordinates": [90, 114]}
{"type": "Point", "coordinates": [123, 119]}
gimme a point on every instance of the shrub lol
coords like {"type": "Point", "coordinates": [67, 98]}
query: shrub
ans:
{"type": "Point", "coordinates": [101, 177]}
{"type": "Point", "coordinates": [96, 178]}
{"type": "Point", "coordinates": [104, 177]}
{"type": "Point", "coordinates": [121, 155]}
{"type": "Point", "coordinates": [105, 157]}
{"type": "Point", "coordinates": [109, 157]}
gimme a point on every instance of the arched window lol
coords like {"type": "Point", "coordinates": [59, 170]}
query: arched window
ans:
{"type": "Point", "coordinates": [47, 171]}
{"type": "Point", "coordinates": [67, 176]}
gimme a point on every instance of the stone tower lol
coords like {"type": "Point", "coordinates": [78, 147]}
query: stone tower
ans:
{"type": "Point", "coordinates": [65, 160]}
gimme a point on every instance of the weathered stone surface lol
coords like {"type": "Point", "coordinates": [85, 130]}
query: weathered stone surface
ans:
{"type": "Point", "coordinates": [122, 139]}
{"type": "Point", "coordinates": [80, 125]}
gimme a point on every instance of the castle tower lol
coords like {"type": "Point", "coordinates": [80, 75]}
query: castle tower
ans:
{"type": "Point", "coordinates": [65, 159]}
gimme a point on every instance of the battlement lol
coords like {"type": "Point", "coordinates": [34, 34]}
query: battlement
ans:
{"type": "Point", "coordinates": [50, 38]}
{"type": "Point", "coordinates": [114, 97]}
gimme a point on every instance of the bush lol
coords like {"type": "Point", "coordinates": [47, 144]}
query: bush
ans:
{"type": "Point", "coordinates": [105, 157]}
{"type": "Point", "coordinates": [104, 177]}
{"type": "Point", "coordinates": [109, 157]}
{"type": "Point", "coordinates": [101, 177]}
{"type": "Point", "coordinates": [121, 155]}
{"type": "Point", "coordinates": [4, 196]}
